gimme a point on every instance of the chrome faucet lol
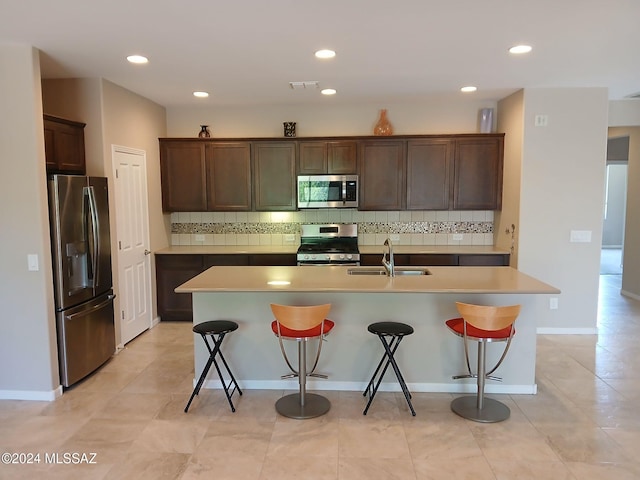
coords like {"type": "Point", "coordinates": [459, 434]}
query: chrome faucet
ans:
{"type": "Point", "coordinates": [388, 265]}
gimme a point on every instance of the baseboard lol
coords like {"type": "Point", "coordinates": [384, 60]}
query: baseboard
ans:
{"type": "Point", "coordinates": [461, 387]}
{"type": "Point", "coordinates": [41, 396]}
{"type": "Point", "coordinates": [629, 294]}
{"type": "Point", "coordinates": [566, 331]}
{"type": "Point", "coordinates": [155, 321]}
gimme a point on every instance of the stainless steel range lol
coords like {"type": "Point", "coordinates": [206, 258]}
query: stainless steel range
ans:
{"type": "Point", "coordinates": [333, 244]}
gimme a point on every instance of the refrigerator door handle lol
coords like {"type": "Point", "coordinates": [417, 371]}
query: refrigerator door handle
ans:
{"type": "Point", "coordinates": [95, 240]}
{"type": "Point", "coordinates": [95, 307]}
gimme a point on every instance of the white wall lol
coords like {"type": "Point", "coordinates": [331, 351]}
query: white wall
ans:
{"type": "Point", "coordinates": [510, 119]}
{"type": "Point", "coordinates": [563, 172]}
{"type": "Point", "coordinates": [631, 260]}
{"type": "Point", "coordinates": [449, 114]}
{"type": "Point", "coordinates": [28, 353]}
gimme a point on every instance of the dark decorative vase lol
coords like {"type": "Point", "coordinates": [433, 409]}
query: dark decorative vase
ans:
{"type": "Point", "coordinates": [289, 129]}
{"type": "Point", "coordinates": [383, 127]}
{"type": "Point", "coordinates": [204, 131]}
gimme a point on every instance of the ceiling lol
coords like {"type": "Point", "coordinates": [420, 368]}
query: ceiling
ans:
{"type": "Point", "coordinates": [246, 52]}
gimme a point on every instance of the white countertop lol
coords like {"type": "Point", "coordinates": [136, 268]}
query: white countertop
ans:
{"type": "Point", "coordinates": [336, 279]}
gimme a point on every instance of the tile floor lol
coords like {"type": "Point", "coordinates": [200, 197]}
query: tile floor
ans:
{"type": "Point", "coordinates": [583, 424]}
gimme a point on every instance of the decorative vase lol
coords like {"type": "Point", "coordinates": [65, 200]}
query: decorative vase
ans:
{"type": "Point", "coordinates": [383, 127]}
{"type": "Point", "coordinates": [289, 129]}
{"type": "Point", "coordinates": [486, 120]}
{"type": "Point", "coordinates": [204, 131]}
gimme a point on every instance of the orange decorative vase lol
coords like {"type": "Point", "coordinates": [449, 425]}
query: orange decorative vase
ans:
{"type": "Point", "coordinates": [383, 127]}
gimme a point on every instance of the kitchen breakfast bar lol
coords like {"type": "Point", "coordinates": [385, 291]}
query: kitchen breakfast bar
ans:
{"type": "Point", "coordinates": [428, 358]}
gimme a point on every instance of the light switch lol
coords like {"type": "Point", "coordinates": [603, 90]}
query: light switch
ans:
{"type": "Point", "coordinates": [580, 236]}
{"type": "Point", "coordinates": [32, 262]}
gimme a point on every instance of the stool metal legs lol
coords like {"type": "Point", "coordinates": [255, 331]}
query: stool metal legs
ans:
{"type": "Point", "coordinates": [303, 405]}
{"type": "Point", "coordinates": [478, 408]}
{"type": "Point", "coordinates": [372, 388]}
{"type": "Point", "coordinates": [213, 352]}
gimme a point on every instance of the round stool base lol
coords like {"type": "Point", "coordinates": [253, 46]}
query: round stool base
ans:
{"type": "Point", "coordinates": [493, 411]}
{"type": "Point", "coordinates": [314, 406]}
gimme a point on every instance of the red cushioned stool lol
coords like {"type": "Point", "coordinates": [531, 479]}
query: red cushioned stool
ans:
{"type": "Point", "coordinates": [483, 324]}
{"type": "Point", "coordinates": [302, 324]}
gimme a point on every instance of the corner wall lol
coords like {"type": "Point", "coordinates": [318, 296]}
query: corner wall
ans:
{"type": "Point", "coordinates": [631, 260]}
{"type": "Point", "coordinates": [563, 180]}
{"type": "Point", "coordinates": [28, 351]}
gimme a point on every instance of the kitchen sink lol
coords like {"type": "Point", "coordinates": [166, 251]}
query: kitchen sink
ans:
{"type": "Point", "coordinates": [399, 271]}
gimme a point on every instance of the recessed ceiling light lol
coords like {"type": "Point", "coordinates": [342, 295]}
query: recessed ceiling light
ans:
{"type": "Point", "coordinates": [518, 49]}
{"type": "Point", "coordinates": [328, 91]}
{"type": "Point", "coordinates": [137, 59]}
{"type": "Point", "coordinates": [468, 88]}
{"type": "Point", "coordinates": [200, 94]}
{"type": "Point", "coordinates": [325, 54]}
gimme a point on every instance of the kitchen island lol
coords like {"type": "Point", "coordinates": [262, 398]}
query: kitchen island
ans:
{"type": "Point", "coordinates": [428, 358]}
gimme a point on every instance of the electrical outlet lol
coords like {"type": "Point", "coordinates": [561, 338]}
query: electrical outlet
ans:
{"type": "Point", "coordinates": [199, 237]}
{"type": "Point", "coordinates": [553, 303]}
{"type": "Point", "coordinates": [289, 238]}
{"type": "Point", "coordinates": [541, 120]}
{"type": "Point", "coordinates": [457, 237]}
{"type": "Point", "coordinates": [395, 237]}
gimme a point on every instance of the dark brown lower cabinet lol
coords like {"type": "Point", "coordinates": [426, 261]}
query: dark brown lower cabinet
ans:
{"type": "Point", "coordinates": [173, 270]}
{"type": "Point", "coordinates": [439, 259]}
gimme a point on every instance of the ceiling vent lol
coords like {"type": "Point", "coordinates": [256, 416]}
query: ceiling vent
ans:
{"type": "Point", "coordinates": [303, 85]}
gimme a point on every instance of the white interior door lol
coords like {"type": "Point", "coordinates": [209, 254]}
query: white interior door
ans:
{"type": "Point", "coordinates": [132, 220]}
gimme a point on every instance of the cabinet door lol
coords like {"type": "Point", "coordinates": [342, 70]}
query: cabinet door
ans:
{"type": "Point", "coordinates": [172, 271]}
{"type": "Point", "coordinates": [477, 183]}
{"type": "Point", "coordinates": [277, 259]}
{"type": "Point", "coordinates": [312, 158]}
{"type": "Point", "coordinates": [274, 165]}
{"type": "Point", "coordinates": [332, 157]}
{"type": "Point", "coordinates": [382, 175]}
{"type": "Point", "coordinates": [64, 145]}
{"type": "Point", "coordinates": [434, 259]}
{"type": "Point", "coordinates": [342, 157]}
{"type": "Point", "coordinates": [488, 260]}
{"type": "Point", "coordinates": [212, 260]}
{"type": "Point", "coordinates": [428, 174]}
{"type": "Point", "coordinates": [183, 176]}
{"type": "Point", "coordinates": [228, 176]}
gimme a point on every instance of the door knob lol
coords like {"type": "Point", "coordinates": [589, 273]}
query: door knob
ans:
{"type": "Point", "coordinates": [147, 252]}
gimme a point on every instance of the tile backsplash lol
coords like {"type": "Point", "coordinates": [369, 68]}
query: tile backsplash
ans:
{"type": "Point", "coordinates": [283, 228]}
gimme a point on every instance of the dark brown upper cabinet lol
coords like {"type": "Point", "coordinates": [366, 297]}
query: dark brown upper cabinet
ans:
{"type": "Point", "coordinates": [183, 176]}
{"type": "Point", "coordinates": [477, 174]}
{"type": "Point", "coordinates": [64, 145]}
{"type": "Point", "coordinates": [274, 180]}
{"type": "Point", "coordinates": [327, 157]}
{"type": "Point", "coordinates": [228, 176]}
{"type": "Point", "coordinates": [382, 174]}
{"type": "Point", "coordinates": [429, 165]}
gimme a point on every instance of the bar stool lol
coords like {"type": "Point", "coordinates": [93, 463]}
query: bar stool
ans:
{"type": "Point", "coordinates": [390, 334]}
{"type": "Point", "coordinates": [216, 330]}
{"type": "Point", "coordinates": [483, 324]}
{"type": "Point", "coordinates": [302, 324]}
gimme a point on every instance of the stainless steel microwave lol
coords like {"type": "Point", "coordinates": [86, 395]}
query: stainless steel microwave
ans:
{"type": "Point", "coordinates": [327, 191]}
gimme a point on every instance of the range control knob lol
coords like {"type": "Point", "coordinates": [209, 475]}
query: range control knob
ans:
{"type": "Point", "coordinates": [341, 256]}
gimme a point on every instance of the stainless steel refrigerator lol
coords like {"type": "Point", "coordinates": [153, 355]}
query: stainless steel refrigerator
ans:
{"type": "Point", "coordinates": [80, 242]}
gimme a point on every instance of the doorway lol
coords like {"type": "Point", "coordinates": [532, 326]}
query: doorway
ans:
{"type": "Point", "coordinates": [615, 206]}
{"type": "Point", "coordinates": [132, 220]}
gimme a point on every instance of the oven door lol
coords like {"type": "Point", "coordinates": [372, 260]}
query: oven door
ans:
{"type": "Point", "coordinates": [328, 263]}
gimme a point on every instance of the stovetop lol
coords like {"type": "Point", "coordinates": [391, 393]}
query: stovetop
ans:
{"type": "Point", "coordinates": [329, 243]}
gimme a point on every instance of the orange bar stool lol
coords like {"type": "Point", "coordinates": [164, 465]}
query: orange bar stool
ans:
{"type": "Point", "coordinates": [483, 324]}
{"type": "Point", "coordinates": [390, 334]}
{"type": "Point", "coordinates": [302, 324]}
{"type": "Point", "coordinates": [216, 330]}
